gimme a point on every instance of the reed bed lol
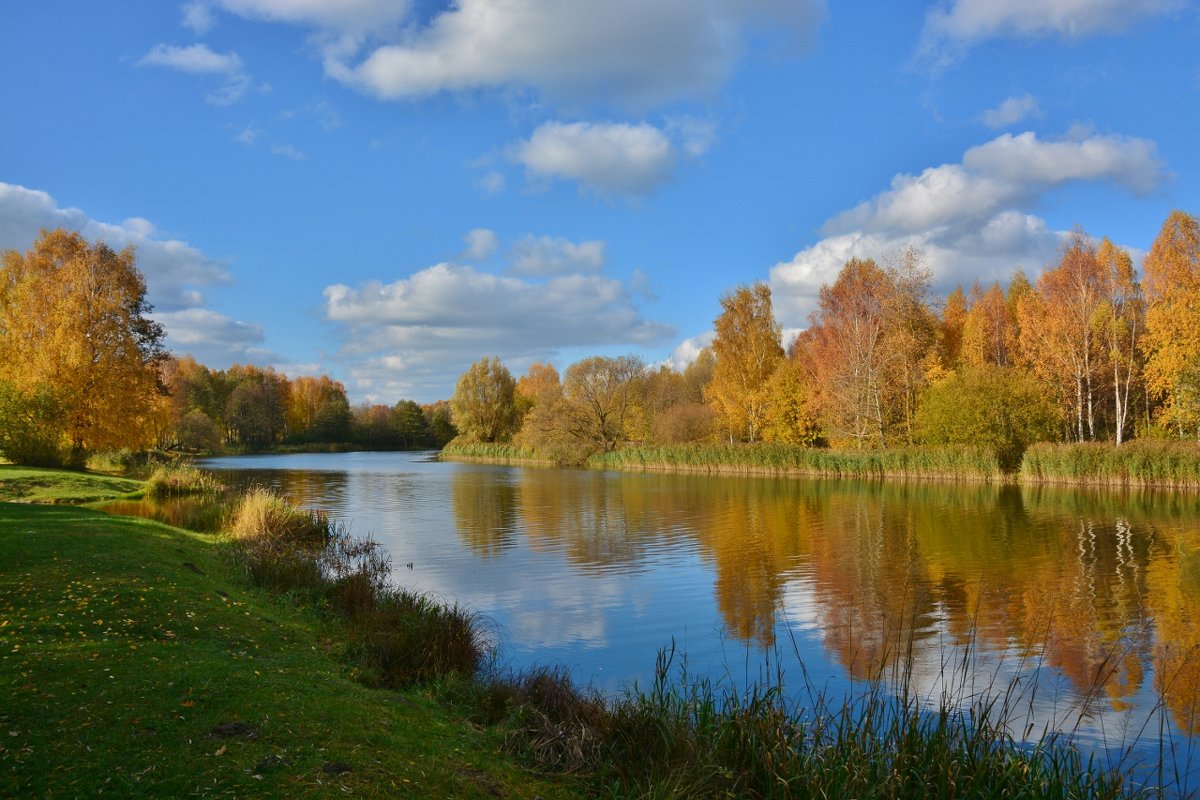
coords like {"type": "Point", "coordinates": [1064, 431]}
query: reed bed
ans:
{"type": "Point", "coordinates": [178, 480]}
{"type": "Point", "coordinates": [492, 452]}
{"type": "Point", "coordinates": [1139, 463]}
{"type": "Point", "coordinates": [949, 462]}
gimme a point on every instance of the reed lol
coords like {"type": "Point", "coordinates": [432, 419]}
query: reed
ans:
{"type": "Point", "coordinates": [949, 462]}
{"type": "Point", "coordinates": [686, 737]}
{"type": "Point", "coordinates": [1141, 463]}
{"type": "Point", "coordinates": [492, 452]}
{"type": "Point", "coordinates": [177, 480]}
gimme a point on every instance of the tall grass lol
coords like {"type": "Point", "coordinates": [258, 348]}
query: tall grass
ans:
{"type": "Point", "coordinates": [950, 462]}
{"type": "Point", "coordinates": [492, 452]}
{"type": "Point", "coordinates": [1139, 463]}
{"type": "Point", "coordinates": [177, 480]}
{"type": "Point", "coordinates": [394, 637]}
{"type": "Point", "coordinates": [685, 737]}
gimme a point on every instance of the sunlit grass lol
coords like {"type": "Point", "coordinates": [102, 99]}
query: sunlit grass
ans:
{"type": "Point", "coordinates": [1137, 463]}
{"type": "Point", "coordinates": [36, 485]}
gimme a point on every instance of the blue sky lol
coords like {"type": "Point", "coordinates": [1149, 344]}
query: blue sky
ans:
{"type": "Point", "coordinates": [387, 190]}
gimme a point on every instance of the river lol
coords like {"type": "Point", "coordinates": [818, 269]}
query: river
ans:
{"type": "Point", "coordinates": [1089, 601]}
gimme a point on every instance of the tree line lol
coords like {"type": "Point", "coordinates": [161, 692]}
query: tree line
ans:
{"type": "Point", "coordinates": [83, 369]}
{"type": "Point", "coordinates": [1091, 351]}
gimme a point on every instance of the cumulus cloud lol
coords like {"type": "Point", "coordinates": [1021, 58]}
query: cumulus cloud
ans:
{"type": "Point", "coordinates": [198, 59]}
{"type": "Point", "coordinates": [688, 350]}
{"type": "Point", "coordinates": [214, 339]}
{"type": "Point", "coordinates": [481, 243]}
{"type": "Point", "coordinates": [969, 219]}
{"type": "Point", "coordinates": [175, 274]}
{"type": "Point", "coordinates": [414, 336]}
{"type": "Point", "coordinates": [633, 52]}
{"type": "Point", "coordinates": [1012, 111]}
{"type": "Point", "coordinates": [953, 26]}
{"type": "Point", "coordinates": [540, 256]}
{"type": "Point", "coordinates": [608, 157]}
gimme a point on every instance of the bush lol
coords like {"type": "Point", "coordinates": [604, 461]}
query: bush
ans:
{"type": "Point", "coordinates": [999, 408]}
{"type": "Point", "coordinates": [175, 480]}
{"type": "Point", "coordinates": [32, 427]}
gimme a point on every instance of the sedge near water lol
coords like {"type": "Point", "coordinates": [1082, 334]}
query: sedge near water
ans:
{"type": "Point", "coordinates": [1080, 608]}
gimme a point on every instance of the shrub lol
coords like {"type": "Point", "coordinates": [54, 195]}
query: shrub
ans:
{"type": "Point", "coordinates": [175, 480]}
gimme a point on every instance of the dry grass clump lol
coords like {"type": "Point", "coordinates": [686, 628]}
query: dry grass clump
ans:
{"type": "Point", "coordinates": [177, 480]}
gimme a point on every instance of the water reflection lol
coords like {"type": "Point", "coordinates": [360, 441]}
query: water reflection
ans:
{"type": "Point", "coordinates": [1099, 591]}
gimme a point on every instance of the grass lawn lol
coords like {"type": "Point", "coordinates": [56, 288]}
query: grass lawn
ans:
{"type": "Point", "coordinates": [35, 485]}
{"type": "Point", "coordinates": [135, 661]}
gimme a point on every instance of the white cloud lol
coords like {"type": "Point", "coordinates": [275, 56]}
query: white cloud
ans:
{"type": "Point", "coordinates": [197, 16]}
{"type": "Point", "coordinates": [249, 134]}
{"type": "Point", "coordinates": [954, 25]}
{"type": "Point", "coordinates": [539, 256]}
{"type": "Point", "coordinates": [174, 270]}
{"type": "Point", "coordinates": [214, 339]}
{"type": "Point", "coordinates": [608, 157]}
{"type": "Point", "coordinates": [969, 219]}
{"type": "Point", "coordinates": [1012, 111]}
{"type": "Point", "coordinates": [288, 151]}
{"type": "Point", "coordinates": [688, 350]}
{"type": "Point", "coordinates": [481, 243]}
{"type": "Point", "coordinates": [416, 335]}
{"type": "Point", "coordinates": [175, 273]}
{"type": "Point", "coordinates": [493, 182]}
{"type": "Point", "coordinates": [343, 15]}
{"type": "Point", "coordinates": [198, 59]}
{"type": "Point", "coordinates": [633, 52]}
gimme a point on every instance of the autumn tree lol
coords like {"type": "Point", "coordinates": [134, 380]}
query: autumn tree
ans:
{"type": "Point", "coordinates": [1120, 324]}
{"type": "Point", "coordinates": [950, 329]}
{"type": "Point", "coordinates": [846, 352]}
{"type": "Point", "coordinates": [792, 416]}
{"type": "Point", "coordinates": [909, 341]}
{"type": "Point", "coordinates": [603, 400]}
{"type": "Point", "coordinates": [1058, 336]}
{"type": "Point", "coordinates": [75, 326]}
{"type": "Point", "coordinates": [254, 411]}
{"type": "Point", "coordinates": [482, 408]}
{"type": "Point", "coordinates": [1172, 338]}
{"type": "Point", "coordinates": [988, 329]}
{"type": "Point", "coordinates": [747, 347]}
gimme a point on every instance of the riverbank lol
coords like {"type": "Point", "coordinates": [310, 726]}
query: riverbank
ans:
{"type": "Point", "coordinates": [136, 661]}
{"type": "Point", "coordinates": [1138, 464]}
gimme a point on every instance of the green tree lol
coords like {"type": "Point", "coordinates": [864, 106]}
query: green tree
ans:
{"type": "Point", "coordinates": [483, 407]}
{"type": "Point", "coordinates": [74, 319]}
{"type": "Point", "coordinates": [409, 425]}
{"type": "Point", "coordinates": [1001, 408]}
{"type": "Point", "coordinates": [747, 347]}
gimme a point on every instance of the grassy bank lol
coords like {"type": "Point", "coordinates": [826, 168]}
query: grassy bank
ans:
{"type": "Point", "coordinates": [136, 661]}
{"type": "Point", "coordinates": [38, 485]}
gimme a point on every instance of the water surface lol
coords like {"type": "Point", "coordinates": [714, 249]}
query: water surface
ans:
{"type": "Point", "coordinates": [1094, 597]}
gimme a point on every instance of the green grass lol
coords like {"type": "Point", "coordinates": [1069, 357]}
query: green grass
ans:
{"type": "Point", "coordinates": [125, 644]}
{"type": "Point", "coordinates": [36, 485]}
{"type": "Point", "coordinates": [1138, 464]}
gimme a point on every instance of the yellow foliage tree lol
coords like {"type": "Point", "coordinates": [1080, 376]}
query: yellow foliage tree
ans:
{"type": "Point", "coordinates": [73, 322]}
{"type": "Point", "coordinates": [748, 347]}
{"type": "Point", "coordinates": [1172, 338]}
